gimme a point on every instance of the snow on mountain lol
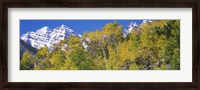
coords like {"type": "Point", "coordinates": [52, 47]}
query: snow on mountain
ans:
{"type": "Point", "coordinates": [79, 35]}
{"type": "Point", "coordinates": [25, 37]}
{"type": "Point", "coordinates": [60, 33]}
{"type": "Point", "coordinates": [149, 21]}
{"type": "Point", "coordinates": [25, 47]}
{"type": "Point", "coordinates": [145, 21]}
{"type": "Point", "coordinates": [48, 37]}
{"type": "Point", "coordinates": [133, 27]}
{"type": "Point", "coordinates": [129, 28]}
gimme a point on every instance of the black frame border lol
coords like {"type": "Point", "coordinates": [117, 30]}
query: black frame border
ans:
{"type": "Point", "coordinates": [194, 4]}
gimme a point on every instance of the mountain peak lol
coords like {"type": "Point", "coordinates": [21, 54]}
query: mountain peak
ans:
{"type": "Point", "coordinates": [129, 28]}
{"type": "Point", "coordinates": [46, 36]}
{"type": "Point", "coordinates": [144, 21]}
{"type": "Point", "coordinates": [25, 36]}
{"type": "Point", "coordinates": [44, 29]}
{"type": "Point", "coordinates": [63, 28]}
{"type": "Point", "coordinates": [147, 21]}
{"type": "Point", "coordinates": [133, 24]}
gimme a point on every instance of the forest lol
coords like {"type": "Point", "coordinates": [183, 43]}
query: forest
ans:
{"type": "Point", "coordinates": [152, 46]}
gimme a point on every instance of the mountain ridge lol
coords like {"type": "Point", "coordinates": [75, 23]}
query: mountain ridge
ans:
{"type": "Point", "coordinates": [46, 36]}
{"type": "Point", "coordinates": [25, 47]}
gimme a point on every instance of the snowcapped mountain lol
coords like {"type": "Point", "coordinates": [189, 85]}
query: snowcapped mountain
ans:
{"type": "Point", "coordinates": [133, 26]}
{"type": "Point", "coordinates": [147, 21]}
{"type": "Point", "coordinates": [47, 36]}
{"type": "Point", "coordinates": [129, 28]}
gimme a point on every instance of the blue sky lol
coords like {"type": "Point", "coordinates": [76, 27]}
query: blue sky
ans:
{"type": "Point", "coordinates": [79, 26]}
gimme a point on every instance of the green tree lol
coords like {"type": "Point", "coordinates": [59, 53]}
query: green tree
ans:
{"type": "Point", "coordinates": [26, 62]}
{"type": "Point", "coordinates": [42, 59]}
{"type": "Point", "coordinates": [58, 59]}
